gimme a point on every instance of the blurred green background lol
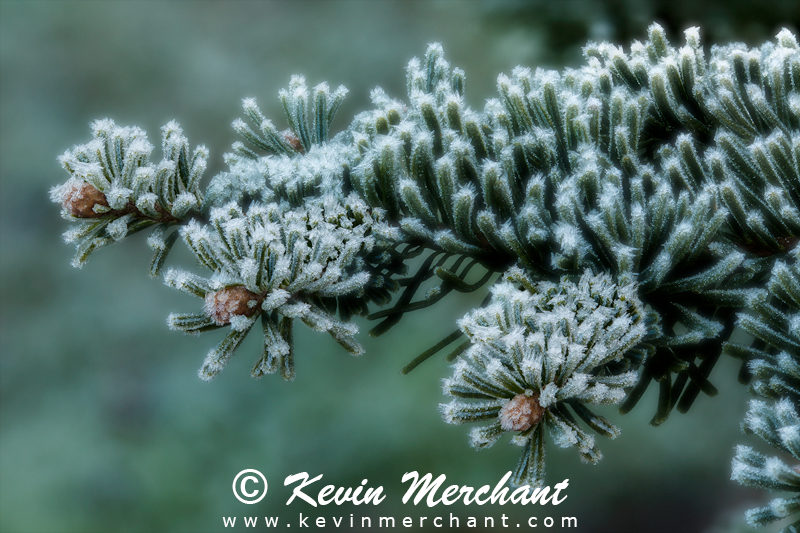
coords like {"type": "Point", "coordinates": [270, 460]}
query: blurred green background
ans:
{"type": "Point", "coordinates": [104, 425]}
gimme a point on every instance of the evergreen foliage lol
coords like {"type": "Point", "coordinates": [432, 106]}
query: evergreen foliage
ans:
{"type": "Point", "coordinates": [774, 323]}
{"type": "Point", "coordinates": [539, 354]}
{"type": "Point", "coordinates": [279, 264]}
{"type": "Point", "coordinates": [633, 214]}
{"type": "Point", "coordinates": [113, 185]}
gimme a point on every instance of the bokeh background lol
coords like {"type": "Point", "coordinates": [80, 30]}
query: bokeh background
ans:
{"type": "Point", "coordinates": [104, 425]}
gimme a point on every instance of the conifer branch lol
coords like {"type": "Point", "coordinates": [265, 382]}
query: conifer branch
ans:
{"type": "Point", "coordinates": [628, 217]}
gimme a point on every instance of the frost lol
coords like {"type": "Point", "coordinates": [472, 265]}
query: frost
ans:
{"type": "Point", "coordinates": [548, 395]}
{"type": "Point", "coordinates": [653, 175]}
{"type": "Point", "coordinates": [184, 202]}
{"type": "Point", "coordinates": [118, 229]}
{"type": "Point", "coordinates": [118, 197]}
{"type": "Point", "coordinates": [555, 341]}
{"type": "Point", "coordinates": [241, 322]}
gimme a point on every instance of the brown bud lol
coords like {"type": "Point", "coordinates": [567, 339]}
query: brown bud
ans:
{"type": "Point", "coordinates": [788, 243]}
{"type": "Point", "coordinates": [222, 305]}
{"type": "Point", "coordinates": [521, 412]}
{"type": "Point", "coordinates": [293, 140]}
{"type": "Point", "coordinates": [79, 200]}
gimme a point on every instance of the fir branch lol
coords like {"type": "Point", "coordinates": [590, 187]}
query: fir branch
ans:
{"type": "Point", "coordinates": [640, 209]}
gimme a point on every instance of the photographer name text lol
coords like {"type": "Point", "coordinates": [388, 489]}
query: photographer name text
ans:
{"type": "Point", "coordinates": [420, 488]}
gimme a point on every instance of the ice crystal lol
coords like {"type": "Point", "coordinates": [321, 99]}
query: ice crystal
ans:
{"type": "Point", "coordinates": [776, 371]}
{"type": "Point", "coordinates": [113, 182]}
{"type": "Point", "coordinates": [278, 264]}
{"type": "Point", "coordinates": [543, 351]}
